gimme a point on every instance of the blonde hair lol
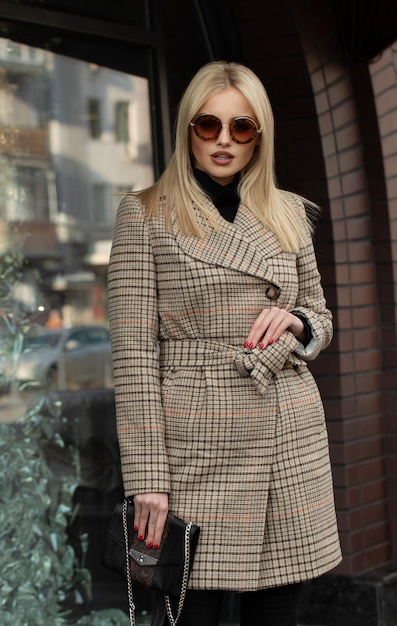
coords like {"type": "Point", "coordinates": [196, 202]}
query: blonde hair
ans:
{"type": "Point", "coordinates": [177, 189]}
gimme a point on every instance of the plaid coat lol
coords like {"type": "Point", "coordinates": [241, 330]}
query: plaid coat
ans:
{"type": "Point", "coordinates": [237, 437]}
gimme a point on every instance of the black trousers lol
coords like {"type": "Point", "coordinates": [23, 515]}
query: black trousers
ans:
{"type": "Point", "coordinates": [276, 606]}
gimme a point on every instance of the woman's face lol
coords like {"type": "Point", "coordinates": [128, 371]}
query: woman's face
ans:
{"type": "Point", "coordinates": [222, 158]}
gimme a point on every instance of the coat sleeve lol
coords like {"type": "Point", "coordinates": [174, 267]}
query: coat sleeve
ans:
{"type": "Point", "coordinates": [133, 320]}
{"type": "Point", "coordinates": [310, 302]}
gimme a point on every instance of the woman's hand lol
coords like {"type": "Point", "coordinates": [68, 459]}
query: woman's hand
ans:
{"type": "Point", "coordinates": [270, 325]}
{"type": "Point", "coordinates": [150, 516]}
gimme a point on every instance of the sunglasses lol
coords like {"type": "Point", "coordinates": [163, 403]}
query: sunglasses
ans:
{"type": "Point", "coordinates": [241, 129]}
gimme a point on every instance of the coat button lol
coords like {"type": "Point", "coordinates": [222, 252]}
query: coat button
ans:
{"type": "Point", "coordinates": [273, 292]}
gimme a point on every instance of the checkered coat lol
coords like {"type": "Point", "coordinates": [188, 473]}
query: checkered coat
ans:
{"type": "Point", "coordinates": [237, 437]}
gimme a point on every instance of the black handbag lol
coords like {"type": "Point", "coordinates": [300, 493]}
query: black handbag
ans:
{"type": "Point", "coordinates": [165, 570]}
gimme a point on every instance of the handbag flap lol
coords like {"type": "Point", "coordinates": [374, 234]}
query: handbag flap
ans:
{"type": "Point", "coordinates": [114, 549]}
{"type": "Point", "coordinates": [166, 563]}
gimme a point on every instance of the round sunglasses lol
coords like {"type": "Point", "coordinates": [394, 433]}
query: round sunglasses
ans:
{"type": "Point", "coordinates": [242, 129]}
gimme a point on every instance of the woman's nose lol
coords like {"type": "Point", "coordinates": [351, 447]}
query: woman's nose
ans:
{"type": "Point", "coordinates": [224, 135]}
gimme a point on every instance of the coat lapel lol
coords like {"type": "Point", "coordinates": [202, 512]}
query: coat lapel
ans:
{"type": "Point", "coordinates": [244, 245]}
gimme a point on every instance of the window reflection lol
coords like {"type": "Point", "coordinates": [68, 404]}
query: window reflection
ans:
{"type": "Point", "coordinates": [66, 358]}
{"type": "Point", "coordinates": [74, 136]}
{"type": "Point", "coordinates": [94, 118]}
{"type": "Point", "coordinates": [122, 122]}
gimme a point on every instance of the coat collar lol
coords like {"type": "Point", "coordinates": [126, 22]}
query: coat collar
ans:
{"type": "Point", "coordinates": [244, 245]}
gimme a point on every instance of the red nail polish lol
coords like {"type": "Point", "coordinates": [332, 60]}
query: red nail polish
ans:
{"type": "Point", "coordinates": [271, 341]}
{"type": "Point", "coordinates": [136, 528]}
{"type": "Point", "coordinates": [149, 544]}
{"type": "Point", "coordinates": [246, 344]}
{"type": "Point", "coordinates": [261, 346]}
{"type": "Point", "coordinates": [156, 546]}
{"type": "Point", "coordinates": [140, 537]}
{"type": "Point", "coordinates": [251, 346]}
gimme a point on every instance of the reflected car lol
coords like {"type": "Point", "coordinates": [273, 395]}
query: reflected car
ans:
{"type": "Point", "coordinates": [67, 358]}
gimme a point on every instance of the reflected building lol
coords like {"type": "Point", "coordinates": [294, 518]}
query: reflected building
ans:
{"type": "Point", "coordinates": [74, 136]}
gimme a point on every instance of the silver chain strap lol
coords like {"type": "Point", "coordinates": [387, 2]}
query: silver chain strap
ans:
{"type": "Point", "coordinates": [131, 606]}
{"type": "Point", "coordinates": [173, 621]}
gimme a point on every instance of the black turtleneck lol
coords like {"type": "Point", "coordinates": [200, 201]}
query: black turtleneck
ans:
{"type": "Point", "coordinates": [224, 197]}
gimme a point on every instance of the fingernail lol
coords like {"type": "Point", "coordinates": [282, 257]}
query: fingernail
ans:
{"type": "Point", "coordinates": [140, 537]}
{"type": "Point", "coordinates": [136, 528]}
{"type": "Point", "coordinates": [149, 544]}
{"type": "Point", "coordinates": [271, 341]}
{"type": "Point", "coordinates": [156, 546]}
{"type": "Point", "coordinates": [261, 346]}
{"type": "Point", "coordinates": [251, 346]}
{"type": "Point", "coordinates": [246, 344]}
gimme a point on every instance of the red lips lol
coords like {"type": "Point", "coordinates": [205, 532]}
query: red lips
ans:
{"type": "Point", "coordinates": [222, 153]}
{"type": "Point", "coordinates": [222, 158]}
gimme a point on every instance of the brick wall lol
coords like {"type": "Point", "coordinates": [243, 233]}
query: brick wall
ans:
{"type": "Point", "coordinates": [330, 149]}
{"type": "Point", "coordinates": [361, 416]}
{"type": "Point", "coordinates": [347, 125]}
{"type": "Point", "coordinates": [383, 73]}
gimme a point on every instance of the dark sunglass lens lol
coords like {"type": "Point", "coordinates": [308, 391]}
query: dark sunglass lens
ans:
{"type": "Point", "coordinates": [208, 126]}
{"type": "Point", "coordinates": [243, 129]}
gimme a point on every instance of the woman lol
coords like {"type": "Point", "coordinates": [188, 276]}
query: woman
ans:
{"type": "Point", "coordinates": [215, 307]}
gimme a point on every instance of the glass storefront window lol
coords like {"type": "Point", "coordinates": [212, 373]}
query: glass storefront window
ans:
{"type": "Point", "coordinates": [74, 136]}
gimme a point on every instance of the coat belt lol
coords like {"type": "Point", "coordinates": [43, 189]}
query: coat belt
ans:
{"type": "Point", "coordinates": [254, 363]}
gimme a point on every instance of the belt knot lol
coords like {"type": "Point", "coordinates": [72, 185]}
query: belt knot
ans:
{"type": "Point", "coordinates": [244, 362]}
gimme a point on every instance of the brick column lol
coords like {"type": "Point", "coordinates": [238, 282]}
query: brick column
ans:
{"type": "Point", "coordinates": [355, 412]}
{"type": "Point", "coordinates": [383, 74]}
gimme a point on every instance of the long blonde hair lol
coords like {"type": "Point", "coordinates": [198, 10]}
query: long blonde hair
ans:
{"type": "Point", "coordinates": [177, 189]}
